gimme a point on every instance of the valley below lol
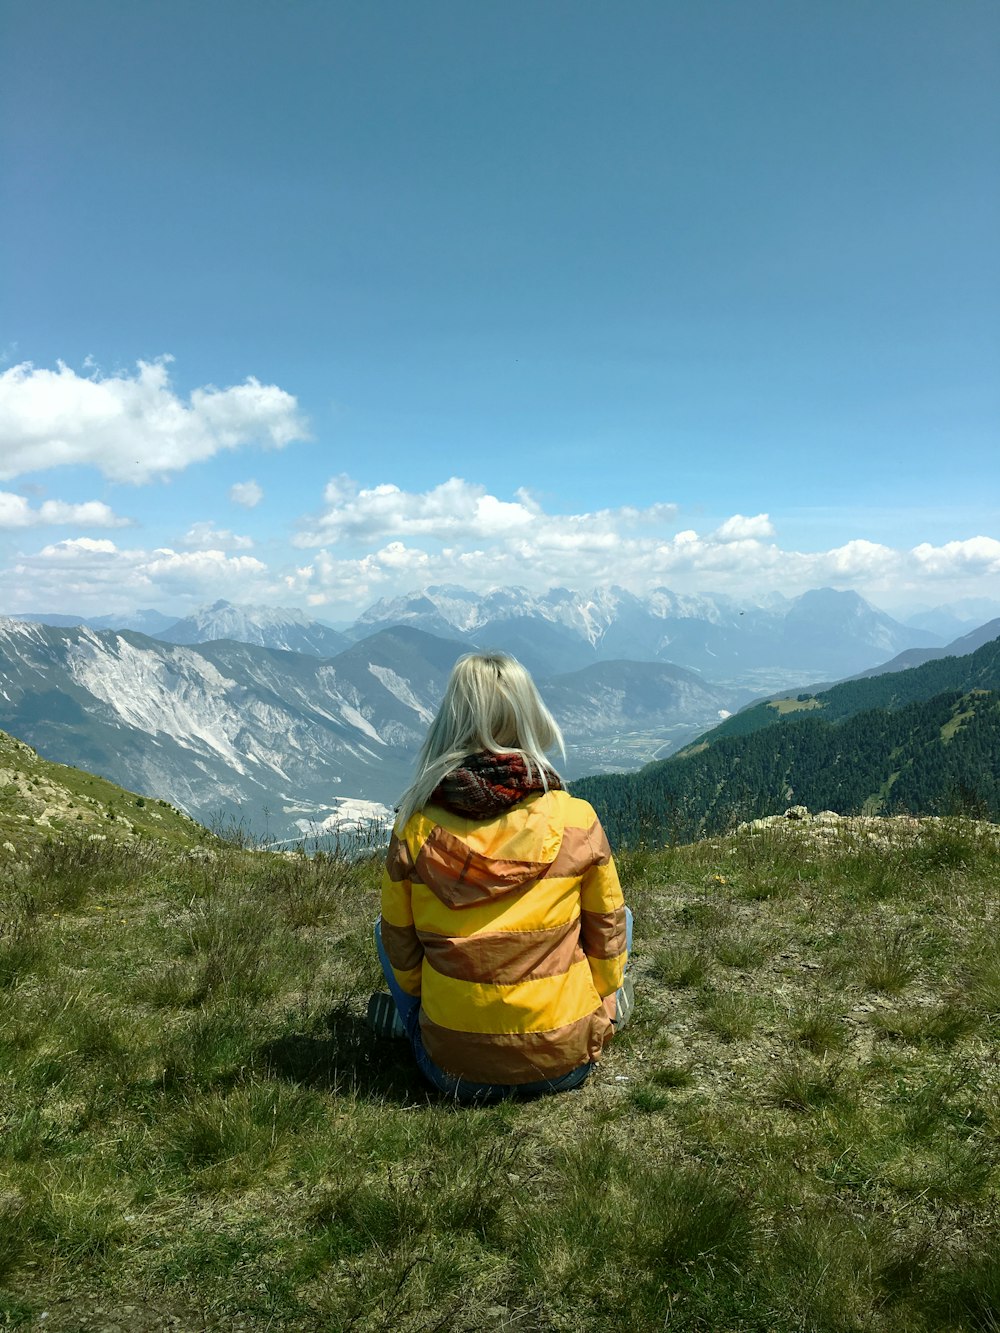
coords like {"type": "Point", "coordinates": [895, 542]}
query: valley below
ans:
{"type": "Point", "coordinates": [624, 751]}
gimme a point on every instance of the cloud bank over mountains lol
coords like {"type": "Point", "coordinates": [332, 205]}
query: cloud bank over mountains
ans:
{"type": "Point", "coordinates": [82, 573]}
{"type": "Point", "coordinates": [449, 545]}
{"type": "Point", "coordinates": [362, 541]}
{"type": "Point", "coordinates": [470, 545]}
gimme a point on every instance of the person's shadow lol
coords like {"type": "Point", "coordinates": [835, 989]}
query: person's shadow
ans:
{"type": "Point", "coordinates": [348, 1059]}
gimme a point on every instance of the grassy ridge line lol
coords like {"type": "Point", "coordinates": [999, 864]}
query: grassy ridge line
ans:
{"type": "Point", "coordinates": [39, 798]}
{"type": "Point", "coordinates": [798, 1131]}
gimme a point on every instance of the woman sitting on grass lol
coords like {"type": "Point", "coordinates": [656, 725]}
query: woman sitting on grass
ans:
{"type": "Point", "coordinates": [503, 935]}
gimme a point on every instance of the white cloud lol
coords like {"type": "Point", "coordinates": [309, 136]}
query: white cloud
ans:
{"type": "Point", "coordinates": [203, 536]}
{"type": "Point", "coordinates": [82, 546]}
{"type": "Point", "coordinates": [860, 559]}
{"type": "Point", "coordinates": [384, 540]}
{"type": "Point", "coordinates": [976, 555]}
{"type": "Point", "coordinates": [86, 574]}
{"type": "Point", "coordinates": [132, 427]}
{"type": "Point", "coordinates": [457, 510]}
{"type": "Point", "coordinates": [739, 528]}
{"type": "Point", "coordinates": [188, 571]}
{"type": "Point", "coordinates": [246, 493]}
{"type": "Point", "coordinates": [17, 512]}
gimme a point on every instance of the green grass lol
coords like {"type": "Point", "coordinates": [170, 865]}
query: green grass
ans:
{"type": "Point", "coordinates": [743, 949]}
{"type": "Point", "coordinates": [797, 1131]}
{"type": "Point", "coordinates": [41, 801]}
{"type": "Point", "coordinates": [678, 965]}
{"type": "Point", "coordinates": [729, 1015]}
{"type": "Point", "coordinates": [818, 1028]}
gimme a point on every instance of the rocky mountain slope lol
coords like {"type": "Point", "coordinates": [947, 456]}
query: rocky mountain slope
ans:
{"type": "Point", "coordinates": [225, 730]}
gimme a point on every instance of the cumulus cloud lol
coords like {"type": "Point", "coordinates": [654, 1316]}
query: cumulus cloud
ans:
{"type": "Point", "coordinates": [458, 510]}
{"type": "Point", "coordinates": [184, 572]}
{"type": "Point", "coordinates": [132, 427]}
{"type": "Point", "coordinates": [246, 493]}
{"type": "Point", "coordinates": [738, 528]}
{"type": "Point", "coordinates": [384, 540]}
{"type": "Point", "coordinates": [86, 573]}
{"type": "Point", "coordinates": [862, 559]}
{"type": "Point", "coordinates": [976, 555]}
{"type": "Point", "coordinates": [17, 512]}
{"type": "Point", "coordinates": [204, 536]}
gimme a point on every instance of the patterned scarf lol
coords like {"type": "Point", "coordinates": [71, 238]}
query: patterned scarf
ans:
{"type": "Point", "coordinates": [487, 784]}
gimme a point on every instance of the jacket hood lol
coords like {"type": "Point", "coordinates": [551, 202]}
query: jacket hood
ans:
{"type": "Point", "coordinates": [488, 861]}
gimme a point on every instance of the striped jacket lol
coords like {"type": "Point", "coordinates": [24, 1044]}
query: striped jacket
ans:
{"type": "Point", "coordinates": [512, 932]}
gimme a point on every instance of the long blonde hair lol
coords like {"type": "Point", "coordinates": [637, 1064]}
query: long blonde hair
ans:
{"type": "Point", "coordinates": [490, 703]}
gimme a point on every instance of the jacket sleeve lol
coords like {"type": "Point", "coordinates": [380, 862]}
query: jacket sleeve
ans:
{"type": "Point", "coordinates": [399, 935]}
{"type": "Point", "coordinates": [602, 918]}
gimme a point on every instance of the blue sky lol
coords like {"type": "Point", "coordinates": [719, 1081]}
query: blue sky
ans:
{"type": "Point", "coordinates": [704, 295]}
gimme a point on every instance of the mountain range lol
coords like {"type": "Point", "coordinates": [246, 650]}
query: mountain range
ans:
{"type": "Point", "coordinates": [765, 644]}
{"type": "Point", "coordinates": [231, 730]}
{"type": "Point", "coordinates": [266, 716]}
{"type": "Point", "coordinates": [762, 645]}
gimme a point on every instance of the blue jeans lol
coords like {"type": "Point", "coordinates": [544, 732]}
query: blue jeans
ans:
{"type": "Point", "coordinates": [463, 1089]}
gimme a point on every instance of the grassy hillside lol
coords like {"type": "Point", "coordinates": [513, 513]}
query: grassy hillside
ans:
{"type": "Point", "coordinates": [38, 798]}
{"type": "Point", "coordinates": [798, 1130]}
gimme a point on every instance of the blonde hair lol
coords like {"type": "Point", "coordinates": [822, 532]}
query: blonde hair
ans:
{"type": "Point", "coordinates": [490, 703]}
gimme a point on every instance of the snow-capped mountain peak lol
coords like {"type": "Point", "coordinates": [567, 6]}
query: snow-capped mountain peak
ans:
{"type": "Point", "coordinates": [822, 633]}
{"type": "Point", "coordinates": [268, 626]}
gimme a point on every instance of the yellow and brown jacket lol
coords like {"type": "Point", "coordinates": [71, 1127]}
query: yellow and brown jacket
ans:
{"type": "Point", "coordinates": [512, 932]}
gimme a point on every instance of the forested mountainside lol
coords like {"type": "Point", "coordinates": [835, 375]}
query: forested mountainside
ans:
{"type": "Point", "coordinates": [975, 671]}
{"type": "Point", "coordinates": [932, 756]}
